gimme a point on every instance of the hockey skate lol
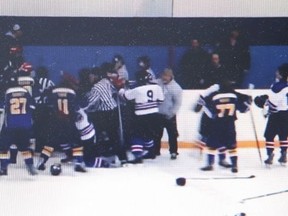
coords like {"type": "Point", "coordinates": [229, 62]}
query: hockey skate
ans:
{"type": "Point", "coordinates": [41, 167]}
{"type": "Point", "coordinates": [31, 169]}
{"type": "Point", "coordinates": [207, 168]}
{"type": "Point", "coordinates": [79, 168]}
{"type": "Point", "coordinates": [67, 159]}
{"type": "Point", "coordinates": [3, 172]}
{"type": "Point", "coordinates": [137, 160]}
{"type": "Point", "coordinates": [234, 169]}
{"type": "Point", "coordinates": [269, 160]}
{"type": "Point", "coordinates": [283, 159]}
{"type": "Point", "coordinates": [173, 156]}
{"type": "Point", "coordinates": [224, 164]}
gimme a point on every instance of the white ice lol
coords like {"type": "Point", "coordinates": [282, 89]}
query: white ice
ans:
{"type": "Point", "coordinates": [147, 189]}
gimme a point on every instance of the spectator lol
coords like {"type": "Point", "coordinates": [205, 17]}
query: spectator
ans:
{"type": "Point", "coordinates": [215, 72]}
{"type": "Point", "coordinates": [167, 112]}
{"type": "Point", "coordinates": [192, 66]}
{"type": "Point", "coordinates": [11, 49]}
{"type": "Point", "coordinates": [235, 56]}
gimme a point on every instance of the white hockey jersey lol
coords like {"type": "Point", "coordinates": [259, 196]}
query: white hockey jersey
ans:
{"type": "Point", "coordinates": [278, 97]}
{"type": "Point", "coordinates": [85, 128]}
{"type": "Point", "coordinates": [146, 98]}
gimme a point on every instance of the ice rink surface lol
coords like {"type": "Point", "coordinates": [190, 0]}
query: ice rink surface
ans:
{"type": "Point", "coordinates": [148, 189]}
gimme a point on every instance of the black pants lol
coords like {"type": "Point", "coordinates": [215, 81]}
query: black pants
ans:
{"type": "Point", "coordinates": [171, 127]}
{"type": "Point", "coordinates": [107, 129]}
{"type": "Point", "coordinates": [42, 126]}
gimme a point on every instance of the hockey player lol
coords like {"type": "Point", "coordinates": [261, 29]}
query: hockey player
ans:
{"type": "Point", "coordinates": [146, 98]}
{"type": "Point", "coordinates": [63, 101]}
{"type": "Point", "coordinates": [91, 150]}
{"type": "Point", "coordinates": [17, 128]}
{"type": "Point", "coordinates": [277, 124]}
{"type": "Point", "coordinates": [204, 131]}
{"type": "Point", "coordinates": [144, 64]}
{"type": "Point", "coordinates": [222, 101]}
{"type": "Point", "coordinates": [25, 81]}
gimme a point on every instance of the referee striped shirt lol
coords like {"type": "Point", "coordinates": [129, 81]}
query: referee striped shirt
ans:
{"type": "Point", "coordinates": [42, 85]}
{"type": "Point", "coordinates": [45, 84]}
{"type": "Point", "coordinates": [100, 96]}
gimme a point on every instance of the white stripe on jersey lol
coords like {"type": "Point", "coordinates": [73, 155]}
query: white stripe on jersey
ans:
{"type": "Point", "coordinates": [16, 89]}
{"type": "Point", "coordinates": [63, 90]}
{"type": "Point", "coordinates": [85, 128]}
{"type": "Point", "coordinates": [224, 95]}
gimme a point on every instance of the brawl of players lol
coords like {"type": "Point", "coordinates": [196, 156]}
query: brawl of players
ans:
{"type": "Point", "coordinates": [100, 116]}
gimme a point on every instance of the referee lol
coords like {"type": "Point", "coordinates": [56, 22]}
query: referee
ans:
{"type": "Point", "coordinates": [42, 114]}
{"type": "Point", "coordinates": [104, 114]}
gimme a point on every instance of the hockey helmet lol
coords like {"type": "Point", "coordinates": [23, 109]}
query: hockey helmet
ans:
{"type": "Point", "coordinates": [143, 77]}
{"type": "Point", "coordinates": [283, 71]}
{"type": "Point", "coordinates": [55, 169]}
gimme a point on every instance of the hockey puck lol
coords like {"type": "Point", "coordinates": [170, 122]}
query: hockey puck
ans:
{"type": "Point", "coordinates": [181, 181]}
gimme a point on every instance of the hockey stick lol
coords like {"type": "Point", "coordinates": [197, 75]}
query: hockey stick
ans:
{"type": "Point", "coordinates": [251, 86]}
{"type": "Point", "coordinates": [121, 137]}
{"type": "Point", "coordinates": [182, 181]}
{"type": "Point", "coordinates": [263, 195]}
{"type": "Point", "coordinates": [221, 178]}
{"type": "Point", "coordinates": [255, 134]}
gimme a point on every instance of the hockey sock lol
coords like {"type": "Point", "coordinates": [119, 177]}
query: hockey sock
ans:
{"type": "Point", "coordinates": [46, 154]}
{"type": "Point", "coordinates": [269, 148]}
{"type": "Point", "coordinates": [211, 156]}
{"type": "Point", "coordinates": [283, 146]}
{"type": "Point", "coordinates": [66, 148]}
{"type": "Point", "coordinates": [27, 155]}
{"type": "Point", "coordinates": [233, 157]}
{"type": "Point", "coordinates": [13, 154]}
{"type": "Point", "coordinates": [78, 155]}
{"type": "Point", "coordinates": [222, 153]}
{"type": "Point", "coordinates": [149, 147]}
{"type": "Point", "coordinates": [137, 147]}
{"type": "Point", "coordinates": [137, 150]}
{"type": "Point", "coordinates": [211, 159]}
{"type": "Point", "coordinates": [4, 159]}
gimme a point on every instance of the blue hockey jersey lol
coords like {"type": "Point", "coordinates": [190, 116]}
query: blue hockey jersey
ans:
{"type": "Point", "coordinates": [18, 108]}
{"type": "Point", "coordinates": [63, 101]}
{"type": "Point", "coordinates": [224, 103]}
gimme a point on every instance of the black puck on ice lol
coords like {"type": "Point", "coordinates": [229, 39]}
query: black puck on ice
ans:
{"type": "Point", "coordinates": [181, 181]}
